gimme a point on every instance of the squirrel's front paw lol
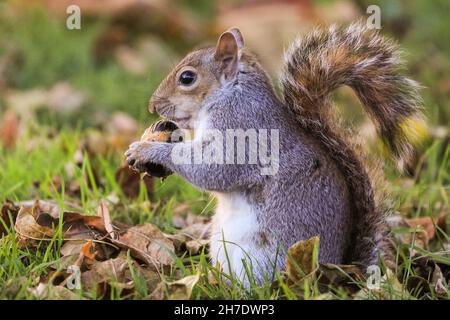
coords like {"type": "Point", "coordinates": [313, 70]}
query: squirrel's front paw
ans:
{"type": "Point", "coordinates": [138, 155]}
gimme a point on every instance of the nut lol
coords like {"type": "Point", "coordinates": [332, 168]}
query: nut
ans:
{"type": "Point", "coordinates": [160, 131]}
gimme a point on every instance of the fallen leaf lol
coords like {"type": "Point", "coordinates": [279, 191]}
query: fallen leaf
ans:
{"type": "Point", "coordinates": [88, 250]}
{"type": "Point", "coordinates": [72, 247]}
{"type": "Point", "coordinates": [37, 222]}
{"type": "Point", "coordinates": [75, 225]}
{"type": "Point", "coordinates": [182, 289]}
{"type": "Point", "coordinates": [342, 276]}
{"type": "Point", "coordinates": [159, 293]}
{"type": "Point", "coordinates": [179, 242]}
{"type": "Point", "coordinates": [177, 290]}
{"type": "Point", "coordinates": [438, 282]}
{"type": "Point", "coordinates": [416, 232]}
{"type": "Point", "coordinates": [197, 231]}
{"type": "Point", "coordinates": [403, 233]}
{"type": "Point", "coordinates": [179, 215]}
{"type": "Point", "coordinates": [47, 206]}
{"type": "Point", "coordinates": [182, 217]}
{"type": "Point", "coordinates": [104, 272]}
{"type": "Point", "coordinates": [49, 292]}
{"type": "Point", "coordinates": [28, 229]}
{"type": "Point", "coordinates": [104, 213]}
{"type": "Point", "coordinates": [302, 258]}
{"type": "Point", "coordinates": [426, 223]}
{"type": "Point", "coordinates": [148, 244]}
{"type": "Point", "coordinates": [194, 246]}
{"type": "Point", "coordinates": [427, 276]}
{"type": "Point", "coordinates": [9, 129]}
{"type": "Point", "coordinates": [213, 278]}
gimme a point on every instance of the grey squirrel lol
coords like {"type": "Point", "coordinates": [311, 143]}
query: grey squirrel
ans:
{"type": "Point", "coordinates": [321, 186]}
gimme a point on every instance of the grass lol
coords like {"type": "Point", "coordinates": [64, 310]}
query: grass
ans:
{"type": "Point", "coordinates": [49, 54]}
{"type": "Point", "coordinates": [23, 167]}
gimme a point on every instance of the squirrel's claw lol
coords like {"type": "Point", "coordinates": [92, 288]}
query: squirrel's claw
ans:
{"type": "Point", "coordinates": [136, 155]}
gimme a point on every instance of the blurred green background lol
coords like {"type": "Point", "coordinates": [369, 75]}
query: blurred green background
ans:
{"type": "Point", "coordinates": [124, 48]}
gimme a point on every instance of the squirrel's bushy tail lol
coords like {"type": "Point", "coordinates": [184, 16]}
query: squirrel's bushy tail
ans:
{"type": "Point", "coordinates": [360, 58]}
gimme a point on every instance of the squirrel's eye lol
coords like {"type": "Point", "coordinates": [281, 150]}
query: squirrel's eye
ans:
{"type": "Point", "coordinates": [187, 78]}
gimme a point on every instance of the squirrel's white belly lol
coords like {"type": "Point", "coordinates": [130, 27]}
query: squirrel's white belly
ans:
{"type": "Point", "coordinates": [234, 227]}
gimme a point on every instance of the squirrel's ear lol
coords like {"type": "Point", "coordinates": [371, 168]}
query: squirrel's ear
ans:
{"type": "Point", "coordinates": [227, 51]}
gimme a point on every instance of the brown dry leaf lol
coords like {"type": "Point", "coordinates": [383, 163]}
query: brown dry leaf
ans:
{"type": "Point", "coordinates": [302, 258]}
{"type": "Point", "coordinates": [28, 229]}
{"type": "Point", "coordinates": [182, 289]}
{"type": "Point", "coordinates": [427, 276]}
{"type": "Point", "coordinates": [70, 248]}
{"type": "Point", "coordinates": [116, 272]}
{"type": "Point", "coordinates": [88, 250]}
{"type": "Point", "coordinates": [104, 213]}
{"type": "Point", "coordinates": [195, 246]}
{"type": "Point", "coordinates": [196, 218]}
{"type": "Point", "coordinates": [340, 276]}
{"type": "Point", "coordinates": [179, 215]}
{"type": "Point", "coordinates": [80, 252]}
{"type": "Point", "coordinates": [148, 244]}
{"type": "Point", "coordinates": [197, 235]}
{"type": "Point", "coordinates": [183, 217]}
{"type": "Point", "coordinates": [101, 273]}
{"type": "Point", "coordinates": [213, 278]}
{"type": "Point", "coordinates": [438, 282]}
{"type": "Point", "coordinates": [417, 232]}
{"type": "Point", "coordinates": [152, 278]}
{"type": "Point", "coordinates": [403, 233]}
{"type": "Point", "coordinates": [48, 206]}
{"type": "Point", "coordinates": [75, 225]}
{"type": "Point", "coordinates": [9, 129]}
{"type": "Point", "coordinates": [86, 255]}
{"type": "Point", "coordinates": [429, 224]}
{"type": "Point", "coordinates": [426, 223]}
{"type": "Point", "coordinates": [36, 222]}
{"type": "Point", "coordinates": [179, 242]}
{"type": "Point", "coordinates": [197, 231]}
{"type": "Point", "coordinates": [177, 290]}
{"type": "Point", "coordinates": [49, 292]}
{"type": "Point", "coordinates": [159, 293]}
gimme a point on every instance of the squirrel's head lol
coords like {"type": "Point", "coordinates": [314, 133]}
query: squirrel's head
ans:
{"type": "Point", "coordinates": [197, 77]}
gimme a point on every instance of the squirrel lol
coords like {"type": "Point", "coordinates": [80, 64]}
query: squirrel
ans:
{"type": "Point", "coordinates": [322, 186]}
